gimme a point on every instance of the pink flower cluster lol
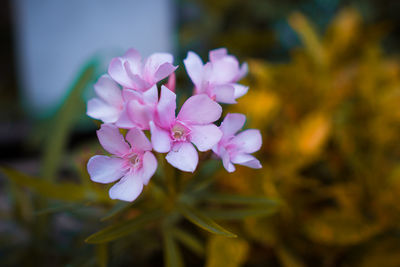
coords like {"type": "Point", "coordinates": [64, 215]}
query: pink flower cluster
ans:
{"type": "Point", "coordinates": [128, 98]}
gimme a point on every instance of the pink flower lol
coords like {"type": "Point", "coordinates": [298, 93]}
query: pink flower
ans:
{"type": "Point", "coordinates": [133, 164]}
{"type": "Point", "coordinates": [130, 73]}
{"type": "Point", "coordinates": [218, 77]}
{"type": "Point", "coordinates": [192, 125]}
{"type": "Point", "coordinates": [139, 108]}
{"type": "Point", "coordinates": [236, 149]}
{"type": "Point", "coordinates": [108, 104]}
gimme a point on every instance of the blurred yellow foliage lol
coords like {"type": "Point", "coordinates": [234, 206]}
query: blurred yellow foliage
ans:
{"type": "Point", "coordinates": [227, 252]}
{"type": "Point", "coordinates": [256, 103]}
{"type": "Point", "coordinates": [313, 131]}
{"type": "Point", "coordinates": [330, 120]}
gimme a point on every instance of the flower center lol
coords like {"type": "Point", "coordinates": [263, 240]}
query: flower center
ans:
{"type": "Point", "coordinates": [179, 132]}
{"type": "Point", "coordinates": [135, 160]}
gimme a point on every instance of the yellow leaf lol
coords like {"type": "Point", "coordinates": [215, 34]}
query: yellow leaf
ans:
{"type": "Point", "coordinates": [226, 252]}
{"type": "Point", "coordinates": [343, 32]}
{"type": "Point", "coordinates": [309, 37]}
{"type": "Point", "coordinates": [313, 133]}
{"type": "Point", "coordinates": [287, 258]}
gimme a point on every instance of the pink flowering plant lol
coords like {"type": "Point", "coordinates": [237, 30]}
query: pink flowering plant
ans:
{"type": "Point", "coordinates": [152, 146]}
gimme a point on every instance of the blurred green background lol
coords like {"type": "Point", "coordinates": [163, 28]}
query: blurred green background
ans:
{"type": "Point", "coordinates": [324, 91]}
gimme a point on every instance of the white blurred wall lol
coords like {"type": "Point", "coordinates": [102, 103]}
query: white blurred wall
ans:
{"type": "Point", "coordinates": [54, 39]}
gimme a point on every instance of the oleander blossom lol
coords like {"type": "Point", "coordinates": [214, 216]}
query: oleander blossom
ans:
{"type": "Point", "coordinates": [132, 162]}
{"type": "Point", "coordinates": [236, 148]}
{"type": "Point", "coordinates": [109, 103]}
{"type": "Point", "coordinates": [131, 73]}
{"type": "Point", "coordinates": [193, 125]}
{"type": "Point", "coordinates": [217, 78]}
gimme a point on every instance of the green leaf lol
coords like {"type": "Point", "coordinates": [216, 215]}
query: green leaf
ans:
{"type": "Point", "coordinates": [102, 255]}
{"type": "Point", "coordinates": [121, 229]}
{"type": "Point", "coordinates": [72, 108]}
{"type": "Point", "coordinates": [237, 214]}
{"type": "Point", "coordinates": [204, 176]}
{"type": "Point", "coordinates": [190, 241]}
{"type": "Point", "coordinates": [117, 209]}
{"type": "Point", "coordinates": [240, 200]}
{"type": "Point", "coordinates": [61, 191]}
{"type": "Point", "coordinates": [172, 255]}
{"type": "Point", "coordinates": [203, 221]}
{"type": "Point", "coordinates": [23, 207]}
{"type": "Point", "coordinates": [59, 208]}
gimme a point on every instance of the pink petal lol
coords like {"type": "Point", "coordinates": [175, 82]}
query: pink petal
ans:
{"type": "Point", "coordinates": [124, 121]}
{"type": "Point", "coordinates": [194, 68]}
{"type": "Point", "coordinates": [136, 81]}
{"type": "Point", "coordinates": [128, 188]}
{"type": "Point", "coordinates": [205, 136]}
{"type": "Point", "coordinates": [140, 114]}
{"type": "Point", "coordinates": [171, 82]}
{"type": "Point", "coordinates": [248, 141]}
{"type": "Point", "coordinates": [158, 66]}
{"type": "Point", "coordinates": [108, 91]}
{"type": "Point", "coordinates": [226, 161]}
{"type": "Point", "coordinates": [166, 108]}
{"type": "Point", "coordinates": [112, 140]}
{"type": "Point", "coordinates": [160, 139]}
{"type": "Point", "coordinates": [103, 169]}
{"type": "Point", "coordinates": [149, 167]}
{"type": "Point", "coordinates": [138, 140]}
{"type": "Point", "coordinates": [244, 69]}
{"type": "Point", "coordinates": [117, 71]}
{"type": "Point", "coordinates": [135, 60]}
{"type": "Point", "coordinates": [225, 70]}
{"type": "Point", "coordinates": [208, 72]}
{"type": "Point", "coordinates": [224, 94]}
{"type": "Point", "coordinates": [183, 156]}
{"type": "Point", "coordinates": [216, 149]}
{"type": "Point", "coordinates": [98, 109]}
{"type": "Point", "coordinates": [200, 109]}
{"type": "Point", "coordinates": [151, 95]}
{"type": "Point", "coordinates": [232, 123]}
{"type": "Point", "coordinates": [164, 71]}
{"type": "Point", "coordinates": [217, 54]}
{"type": "Point", "coordinates": [240, 90]}
{"type": "Point", "coordinates": [247, 160]}
{"type": "Point", "coordinates": [130, 94]}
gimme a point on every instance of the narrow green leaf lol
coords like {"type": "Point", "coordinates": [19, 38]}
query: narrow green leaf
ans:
{"type": "Point", "coordinates": [238, 214]}
{"type": "Point", "coordinates": [172, 255]}
{"type": "Point", "coordinates": [203, 221]}
{"type": "Point", "coordinates": [116, 210]}
{"type": "Point", "coordinates": [121, 229]}
{"type": "Point", "coordinates": [239, 199]}
{"type": "Point", "coordinates": [204, 176]}
{"type": "Point", "coordinates": [59, 208]}
{"type": "Point", "coordinates": [72, 108]}
{"type": "Point", "coordinates": [61, 191]}
{"type": "Point", "coordinates": [102, 254]}
{"type": "Point", "coordinates": [23, 207]}
{"type": "Point", "coordinates": [190, 241]}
